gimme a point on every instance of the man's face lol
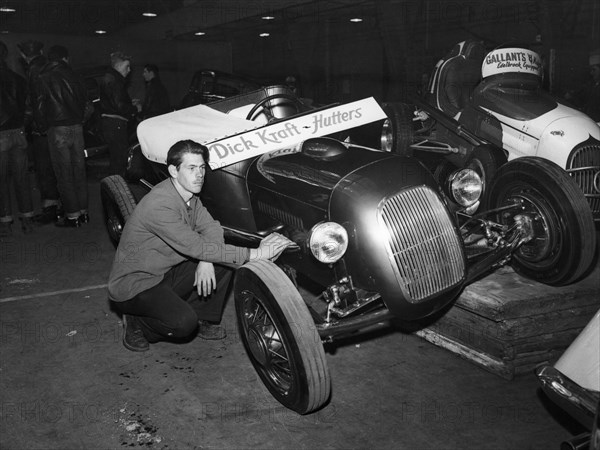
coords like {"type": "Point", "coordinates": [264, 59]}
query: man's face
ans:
{"type": "Point", "coordinates": [190, 174]}
{"type": "Point", "coordinates": [148, 75]}
{"type": "Point", "coordinates": [123, 67]}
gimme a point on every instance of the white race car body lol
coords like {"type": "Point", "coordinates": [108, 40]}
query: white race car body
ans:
{"type": "Point", "coordinates": [499, 98]}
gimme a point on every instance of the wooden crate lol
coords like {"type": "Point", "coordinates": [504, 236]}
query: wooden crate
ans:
{"type": "Point", "coordinates": [508, 324]}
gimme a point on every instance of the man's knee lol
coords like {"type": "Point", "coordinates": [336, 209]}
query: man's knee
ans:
{"type": "Point", "coordinates": [184, 326]}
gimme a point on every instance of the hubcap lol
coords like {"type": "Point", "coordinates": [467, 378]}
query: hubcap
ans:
{"type": "Point", "coordinates": [265, 343]}
{"type": "Point", "coordinates": [544, 240]}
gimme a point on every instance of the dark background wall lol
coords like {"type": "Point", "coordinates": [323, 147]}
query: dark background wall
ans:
{"type": "Point", "coordinates": [389, 55]}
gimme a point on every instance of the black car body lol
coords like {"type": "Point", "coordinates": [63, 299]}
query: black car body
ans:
{"type": "Point", "coordinates": [376, 234]}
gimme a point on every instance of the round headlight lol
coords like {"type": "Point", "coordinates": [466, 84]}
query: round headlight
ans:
{"type": "Point", "coordinates": [328, 241]}
{"type": "Point", "coordinates": [466, 187]}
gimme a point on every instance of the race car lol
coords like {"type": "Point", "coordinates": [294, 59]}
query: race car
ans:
{"type": "Point", "coordinates": [481, 110]}
{"type": "Point", "coordinates": [376, 234]}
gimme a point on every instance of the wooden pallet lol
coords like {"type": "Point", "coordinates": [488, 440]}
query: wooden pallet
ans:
{"type": "Point", "coordinates": [508, 324]}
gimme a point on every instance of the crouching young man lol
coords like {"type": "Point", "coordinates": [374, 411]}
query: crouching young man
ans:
{"type": "Point", "coordinates": [163, 279]}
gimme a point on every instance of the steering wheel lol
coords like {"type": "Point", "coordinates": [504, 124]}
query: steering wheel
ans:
{"type": "Point", "coordinates": [267, 109]}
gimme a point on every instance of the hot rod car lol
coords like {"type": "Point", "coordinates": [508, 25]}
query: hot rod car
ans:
{"type": "Point", "coordinates": [376, 234]}
{"type": "Point", "coordinates": [481, 110]}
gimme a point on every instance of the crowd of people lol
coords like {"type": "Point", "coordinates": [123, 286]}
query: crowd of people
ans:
{"type": "Point", "coordinates": [42, 116]}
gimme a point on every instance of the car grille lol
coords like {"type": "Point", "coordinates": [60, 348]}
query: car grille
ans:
{"type": "Point", "coordinates": [423, 245]}
{"type": "Point", "coordinates": [584, 166]}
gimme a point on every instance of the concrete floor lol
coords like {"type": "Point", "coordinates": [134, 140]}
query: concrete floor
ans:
{"type": "Point", "coordinates": [67, 382]}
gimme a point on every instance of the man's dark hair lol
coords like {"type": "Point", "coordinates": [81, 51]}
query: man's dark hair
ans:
{"type": "Point", "coordinates": [57, 53]}
{"type": "Point", "coordinates": [176, 152]}
{"type": "Point", "coordinates": [152, 68]}
{"type": "Point", "coordinates": [3, 51]}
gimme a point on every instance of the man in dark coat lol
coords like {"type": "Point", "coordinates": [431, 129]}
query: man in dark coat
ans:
{"type": "Point", "coordinates": [61, 101]}
{"type": "Point", "coordinates": [156, 100]}
{"type": "Point", "coordinates": [31, 51]}
{"type": "Point", "coordinates": [117, 110]}
{"type": "Point", "coordinates": [13, 148]}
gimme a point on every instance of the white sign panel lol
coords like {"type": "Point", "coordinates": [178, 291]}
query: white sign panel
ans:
{"type": "Point", "coordinates": [293, 131]}
{"type": "Point", "coordinates": [506, 60]}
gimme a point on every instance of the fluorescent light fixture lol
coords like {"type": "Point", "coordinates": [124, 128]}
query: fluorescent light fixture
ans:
{"type": "Point", "coordinates": [100, 31]}
{"type": "Point", "coordinates": [7, 9]}
{"type": "Point", "coordinates": [4, 32]}
{"type": "Point", "coordinates": [268, 18]}
{"type": "Point", "coordinates": [265, 34]}
{"type": "Point", "coordinates": [356, 19]}
{"type": "Point", "coordinates": [149, 14]}
{"type": "Point", "coordinates": [200, 33]}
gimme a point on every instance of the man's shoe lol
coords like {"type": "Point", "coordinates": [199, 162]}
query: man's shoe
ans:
{"type": "Point", "coordinates": [68, 222]}
{"type": "Point", "coordinates": [84, 218]}
{"type": "Point", "coordinates": [211, 331]}
{"type": "Point", "coordinates": [26, 225]}
{"type": "Point", "coordinates": [133, 336]}
{"type": "Point", "coordinates": [48, 215]}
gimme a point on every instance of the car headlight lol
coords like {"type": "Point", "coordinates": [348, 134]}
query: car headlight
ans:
{"type": "Point", "coordinates": [466, 187]}
{"type": "Point", "coordinates": [328, 241]}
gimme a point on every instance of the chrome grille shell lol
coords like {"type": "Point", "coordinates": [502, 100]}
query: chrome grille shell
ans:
{"type": "Point", "coordinates": [423, 245]}
{"type": "Point", "coordinates": [584, 166]}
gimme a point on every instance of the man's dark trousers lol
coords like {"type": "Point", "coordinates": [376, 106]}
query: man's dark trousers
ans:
{"type": "Point", "coordinates": [171, 309]}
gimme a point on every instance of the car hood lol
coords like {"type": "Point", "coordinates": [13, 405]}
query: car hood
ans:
{"type": "Point", "coordinates": [310, 179]}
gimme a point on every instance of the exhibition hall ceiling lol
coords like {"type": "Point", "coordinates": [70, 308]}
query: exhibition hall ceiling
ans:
{"type": "Point", "coordinates": [228, 20]}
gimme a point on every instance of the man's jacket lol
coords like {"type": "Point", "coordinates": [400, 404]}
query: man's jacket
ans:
{"type": "Point", "coordinates": [12, 99]}
{"type": "Point", "coordinates": [61, 96]}
{"type": "Point", "coordinates": [162, 232]}
{"type": "Point", "coordinates": [114, 99]}
{"type": "Point", "coordinates": [33, 120]}
{"type": "Point", "coordinates": [156, 101]}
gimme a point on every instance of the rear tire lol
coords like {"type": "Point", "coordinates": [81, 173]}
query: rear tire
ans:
{"type": "Point", "coordinates": [397, 132]}
{"type": "Point", "coordinates": [280, 337]}
{"type": "Point", "coordinates": [564, 236]}
{"type": "Point", "coordinates": [485, 160]}
{"type": "Point", "coordinates": [118, 204]}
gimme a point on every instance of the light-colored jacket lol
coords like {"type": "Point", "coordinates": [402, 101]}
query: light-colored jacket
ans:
{"type": "Point", "coordinates": [162, 232]}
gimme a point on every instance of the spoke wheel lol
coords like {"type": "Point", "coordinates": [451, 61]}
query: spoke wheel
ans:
{"type": "Point", "coordinates": [280, 337]}
{"type": "Point", "coordinates": [553, 209]}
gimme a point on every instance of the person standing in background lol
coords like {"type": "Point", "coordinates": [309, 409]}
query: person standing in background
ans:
{"type": "Point", "coordinates": [31, 51]}
{"type": "Point", "coordinates": [13, 149]}
{"type": "Point", "coordinates": [156, 99]}
{"type": "Point", "coordinates": [117, 110]}
{"type": "Point", "coordinates": [62, 100]}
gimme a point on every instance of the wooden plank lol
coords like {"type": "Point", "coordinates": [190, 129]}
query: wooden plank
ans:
{"type": "Point", "coordinates": [506, 295]}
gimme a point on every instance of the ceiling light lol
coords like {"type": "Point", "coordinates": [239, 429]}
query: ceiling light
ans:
{"type": "Point", "coordinates": [356, 19]}
{"type": "Point", "coordinates": [100, 32]}
{"type": "Point", "coordinates": [7, 9]}
{"type": "Point", "coordinates": [268, 18]}
{"type": "Point", "coordinates": [149, 14]}
{"type": "Point", "coordinates": [265, 34]}
{"type": "Point", "coordinates": [4, 32]}
{"type": "Point", "coordinates": [200, 33]}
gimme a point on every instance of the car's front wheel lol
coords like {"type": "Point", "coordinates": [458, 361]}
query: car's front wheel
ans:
{"type": "Point", "coordinates": [397, 131]}
{"type": "Point", "coordinates": [118, 204]}
{"type": "Point", "coordinates": [550, 205]}
{"type": "Point", "coordinates": [280, 337]}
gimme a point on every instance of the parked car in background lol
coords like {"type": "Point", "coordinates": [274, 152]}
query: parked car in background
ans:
{"type": "Point", "coordinates": [208, 86]}
{"type": "Point", "coordinates": [376, 233]}
{"type": "Point", "coordinates": [483, 109]}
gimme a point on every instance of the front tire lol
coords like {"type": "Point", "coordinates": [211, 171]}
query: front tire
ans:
{"type": "Point", "coordinates": [280, 337]}
{"type": "Point", "coordinates": [564, 237]}
{"type": "Point", "coordinates": [118, 204]}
